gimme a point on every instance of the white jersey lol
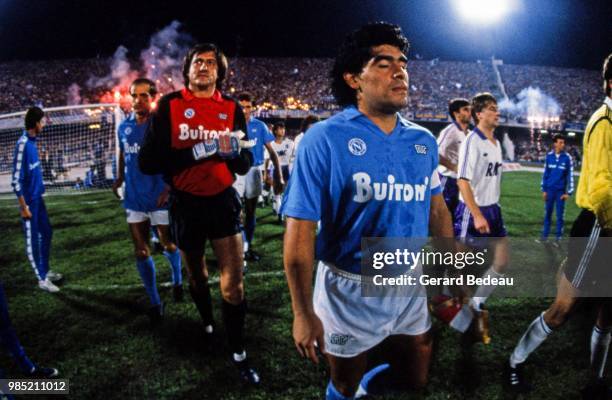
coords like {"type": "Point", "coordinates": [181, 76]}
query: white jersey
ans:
{"type": "Point", "coordinates": [480, 162]}
{"type": "Point", "coordinates": [449, 141]}
{"type": "Point", "coordinates": [283, 151]}
{"type": "Point", "coordinates": [296, 144]}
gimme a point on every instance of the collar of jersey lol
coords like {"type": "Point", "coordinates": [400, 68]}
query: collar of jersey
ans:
{"type": "Point", "coordinates": [608, 102]}
{"type": "Point", "coordinates": [352, 113]}
{"type": "Point", "coordinates": [188, 95]}
{"type": "Point", "coordinates": [33, 138]}
{"type": "Point", "coordinates": [479, 133]}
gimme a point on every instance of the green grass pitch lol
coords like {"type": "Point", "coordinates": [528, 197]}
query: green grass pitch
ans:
{"type": "Point", "coordinates": [95, 331]}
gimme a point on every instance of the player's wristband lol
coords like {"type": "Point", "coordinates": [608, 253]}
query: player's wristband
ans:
{"type": "Point", "coordinates": [228, 146]}
{"type": "Point", "coordinates": [204, 149]}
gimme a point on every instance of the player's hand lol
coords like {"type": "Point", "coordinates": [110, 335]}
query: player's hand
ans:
{"type": "Point", "coordinates": [308, 335]}
{"type": "Point", "coordinates": [564, 197]}
{"type": "Point", "coordinates": [228, 145]}
{"type": "Point", "coordinates": [481, 224]}
{"type": "Point", "coordinates": [544, 196]}
{"type": "Point", "coordinates": [162, 199]}
{"type": "Point", "coordinates": [116, 185]}
{"type": "Point", "coordinates": [25, 212]}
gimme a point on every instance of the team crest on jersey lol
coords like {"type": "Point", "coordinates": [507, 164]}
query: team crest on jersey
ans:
{"type": "Point", "coordinates": [128, 130]}
{"type": "Point", "coordinates": [189, 113]}
{"type": "Point", "coordinates": [357, 146]}
{"type": "Point", "coordinates": [420, 148]}
{"type": "Point", "coordinates": [223, 116]}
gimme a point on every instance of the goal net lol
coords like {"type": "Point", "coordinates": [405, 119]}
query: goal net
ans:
{"type": "Point", "coordinates": [77, 147]}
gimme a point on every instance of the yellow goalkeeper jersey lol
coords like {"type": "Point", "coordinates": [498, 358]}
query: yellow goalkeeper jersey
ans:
{"type": "Point", "coordinates": [595, 186]}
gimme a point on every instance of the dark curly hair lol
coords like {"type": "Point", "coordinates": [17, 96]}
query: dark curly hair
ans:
{"type": "Point", "coordinates": [222, 63]}
{"type": "Point", "coordinates": [356, 51]}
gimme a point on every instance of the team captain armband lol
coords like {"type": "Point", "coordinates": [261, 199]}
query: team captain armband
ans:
{"type": "Point", "coordinates": [226, 145]}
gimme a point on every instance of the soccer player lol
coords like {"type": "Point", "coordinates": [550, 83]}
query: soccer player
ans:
{"type": "Point", "coordinates": [449, 140]}
{"type": "Point", "coordinates": [306, 123]}
{"type": "Point", "coordinates": [341, 166]}
{"type": "Point", "coordinates": [10, 341]}
{"type": "Point", "coordinates": [283, 148]}
{"type": "Point", "coordinates": [145, 198]}
{"type": "Point", "coordinates": [478, 217]}
{"type": "Point", "coordinates": [190, 142]}
{"type": "Point", "coordinates": [557, 185]}
{"type": "Point", "coordinates": [250, 186]}
{"type": "Point", "coordinates": [588, 263]}
{"type": "Point", "coordinates": [28, 185]}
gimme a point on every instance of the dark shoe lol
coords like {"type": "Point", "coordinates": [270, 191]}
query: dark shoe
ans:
{"type": "Point", "coordinates": [156, 314]}
{"type": "Point", "coordinates": [596, 390]}
{"type": "Point", "coordinates": [515, 379]}
{"type": "Point", "coordinates": [177, 293]}
{"type": "Point", "coordinates": [252, 255]}
{"type": "Point", "coordinates": [245, 268]}
{"type": "Point", "coordinates": [43, 373]}
{"type": "Point", "coordinates": [248, 375]}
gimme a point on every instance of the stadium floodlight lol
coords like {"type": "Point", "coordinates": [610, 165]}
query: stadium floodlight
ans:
{"type": "Point", "coordinates": [484, 12]}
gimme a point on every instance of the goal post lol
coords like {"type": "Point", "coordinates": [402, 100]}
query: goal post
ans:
{"type": "Point", "coordinates": [77, 147]}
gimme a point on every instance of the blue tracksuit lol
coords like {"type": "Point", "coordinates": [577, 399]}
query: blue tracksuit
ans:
{"type": "Point", "coordinates": [558, 179]}
{"type": "Point", "coordinates": [27, 181]}
{"type": "Point", "coordinates": [9, 340]}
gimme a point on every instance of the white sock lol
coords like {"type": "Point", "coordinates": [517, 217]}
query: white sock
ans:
{"type": "Point", "coordinates": [537, 333]}
{"type": "Point", "coordinates": [208, 329]}
{"type": "Point", "coordinates": [245, 246]}
{"type": "Point", "coordinates": [600, 343]}
{"type": "Point", "coordinates": [277, 202]}
{"type": "Point", "coordinates": [463, 319]}
{"type": "Point", "coordinates": [240, 357]}
{"type": "Point", "coordinates": [484, 291]}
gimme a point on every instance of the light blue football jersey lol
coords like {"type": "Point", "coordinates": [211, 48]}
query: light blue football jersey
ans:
{"type": "Point", "coordinates": [259, 131]}
{"type": "Point", "coordinates": [141, 191]}
{"type": "Point", "coordinates": [360, 182]}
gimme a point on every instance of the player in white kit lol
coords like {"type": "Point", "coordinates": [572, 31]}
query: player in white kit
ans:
{"type": "Point", "coordinates": [284, 148]}
{"type": "Point", "coordinates": [478, 218]}
{"type": "Point", "coordinates": [449, 140]}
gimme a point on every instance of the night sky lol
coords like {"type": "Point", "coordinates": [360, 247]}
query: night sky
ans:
{"type": "Point", "coordinates": [570, 33]}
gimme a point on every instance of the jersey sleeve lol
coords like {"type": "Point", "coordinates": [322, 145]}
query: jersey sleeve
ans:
{"type": "Point", "coordinates": [241, 164]}
{"type": "Point", "coordinates": [569, 188]}
{"type": "Point", "coordinates": [444, 140]}
{"type": "Point", "coordinates": [600, 173]}
{"type": "Point", "coordinates": [435, 184]}
{"type": "Point", "coordinates": [468, 155]}
{"type": "Point", "coordinates": [267, 135]}
{"type": "Point", "coordinates": [19, 167]}
{"type": "Point", "coordinates": [306, 189]}
{"type": "Point", "coordinates": [436, 187]}
{"type": "Point", "coordinates": [545, 175]}
{"type": "Point", "coordinates": [156, 155]}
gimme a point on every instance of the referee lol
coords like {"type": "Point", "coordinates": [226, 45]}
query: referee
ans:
{"type": "Point", "coordinates": [588, 265]}
{"type": "Point", "coordinates": [203, 204]}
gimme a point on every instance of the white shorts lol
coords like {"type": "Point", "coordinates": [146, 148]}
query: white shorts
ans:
{"type": "Point", "coordinates": [159, 217]}
{"type": "Point", "coordinates": [250, 185]}
{"type": "Point", "coordinates": [353, 323]}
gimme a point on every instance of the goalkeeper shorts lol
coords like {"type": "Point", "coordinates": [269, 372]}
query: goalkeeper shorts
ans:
{"type": "Point", "coordinates": [195, 219]}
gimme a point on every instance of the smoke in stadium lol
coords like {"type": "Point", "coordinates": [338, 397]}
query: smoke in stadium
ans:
{"type": "Point", "coordinates": [160, 62]}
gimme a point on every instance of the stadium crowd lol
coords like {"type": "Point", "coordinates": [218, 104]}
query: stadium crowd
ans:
{"type": "Point", "coordinates": [302, 83]}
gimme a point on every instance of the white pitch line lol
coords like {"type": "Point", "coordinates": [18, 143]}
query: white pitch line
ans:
{"type": "Point", "coordinates": [213, 280]}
